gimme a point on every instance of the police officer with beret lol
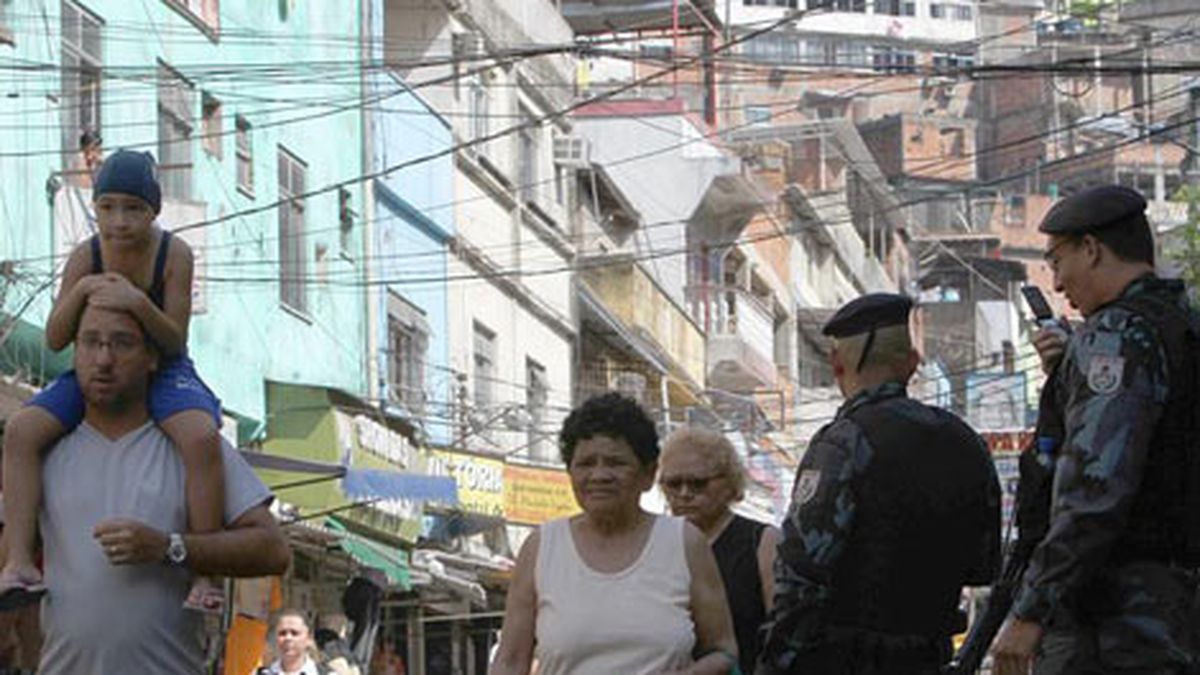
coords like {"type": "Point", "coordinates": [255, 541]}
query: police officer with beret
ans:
{"type": "Point", "coordinates": [895, 507]}
{"type": "Point", "coordinates": [1108, 588]}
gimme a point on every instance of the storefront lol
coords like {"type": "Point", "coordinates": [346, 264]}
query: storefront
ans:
{"type": "Point", "coordinates": [352, 484]}
{"type": "Point", "coordinates": [460, 574]}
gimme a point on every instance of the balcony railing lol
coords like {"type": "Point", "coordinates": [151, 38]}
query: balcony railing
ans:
{"type": "Point", "coordinates": [741, 334]}
{"type": "Point", "coordinates": [636, 299]}
{"type": "Point", "coordinates": [729, 310]}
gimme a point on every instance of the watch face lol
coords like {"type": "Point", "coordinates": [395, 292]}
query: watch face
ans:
{"type": "Point", "coordinates": [176, 551]}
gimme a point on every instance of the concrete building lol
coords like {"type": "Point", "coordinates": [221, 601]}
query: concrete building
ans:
{"type": "Point", "coordinates": [511, 324]}
{"type": "Point", "coordinates": [690, 242]}
{"type": "Point", "coordinates": [848, 237]}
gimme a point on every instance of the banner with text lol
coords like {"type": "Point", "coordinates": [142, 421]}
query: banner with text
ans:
{"type": "Point", "coordinates": [480, 480]}
{"type": "Point", "coordinates": [533, 496]}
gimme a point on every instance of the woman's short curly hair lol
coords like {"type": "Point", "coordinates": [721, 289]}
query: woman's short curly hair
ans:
{"type": "Point", "coordinates": [614, 416]}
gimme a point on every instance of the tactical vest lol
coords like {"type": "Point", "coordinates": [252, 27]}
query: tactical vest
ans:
{"type": "Point", "coordinates": [921, 512]}
{"type": "Point", "coordinates": [1164, 521]}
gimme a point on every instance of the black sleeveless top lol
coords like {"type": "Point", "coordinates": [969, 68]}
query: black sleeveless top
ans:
{"type": "Point", "coordinates": [156, 290]}
{"type": "Point", "coordinates": [736, 551]}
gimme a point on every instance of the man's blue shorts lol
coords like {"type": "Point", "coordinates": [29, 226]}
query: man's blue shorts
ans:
{"type": "Point", "coordinates": [175, 388]}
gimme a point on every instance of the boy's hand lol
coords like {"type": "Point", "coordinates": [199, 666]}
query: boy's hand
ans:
{"type": "Point", "coordinates": [88, 284]}
{"type": "Point", "coordinates": [114, 291]}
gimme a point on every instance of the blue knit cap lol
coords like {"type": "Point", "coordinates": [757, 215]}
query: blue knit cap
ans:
{"type": "Point", "coordinates": [131, 173]}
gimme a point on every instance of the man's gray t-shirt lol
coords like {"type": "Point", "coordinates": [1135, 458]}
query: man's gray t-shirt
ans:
{"type": "Point", "coordinates": [100, 619]}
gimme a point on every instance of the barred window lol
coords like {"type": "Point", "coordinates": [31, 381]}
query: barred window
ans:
{"type": "Point", "coordinates": [176, 112]}
{"type": "Point", "coordinates": [292, 261]}
{"type": "Point", "coordinates": [82, 61]}
{"type": "Point", "coordinates": [245, 157]}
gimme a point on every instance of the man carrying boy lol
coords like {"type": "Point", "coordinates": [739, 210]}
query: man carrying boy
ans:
{"type": "Point", "coordinates": [135, 267]}
{"type": "Point", "coordinates": [113, 522]}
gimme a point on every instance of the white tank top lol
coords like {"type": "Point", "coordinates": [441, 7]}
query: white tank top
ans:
{"type": "Point", "coordinates": [633, 622]}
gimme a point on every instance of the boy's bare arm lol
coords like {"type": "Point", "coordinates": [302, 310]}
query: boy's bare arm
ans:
{"type": "Point", "coordinates": [77, 284]}
{"type": "Point", "coordinates": [177, 287]}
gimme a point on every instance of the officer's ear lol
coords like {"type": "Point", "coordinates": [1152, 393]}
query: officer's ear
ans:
{"type": "Point", "coordinates": [835, 362]}
{"type": "Point", "coordinates": [1091, 249]}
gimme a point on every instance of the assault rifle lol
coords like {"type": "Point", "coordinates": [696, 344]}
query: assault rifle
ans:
{"type": "Point", "coordinates": [975, 648]}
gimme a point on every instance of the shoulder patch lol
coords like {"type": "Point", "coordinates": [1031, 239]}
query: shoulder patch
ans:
{"type": "Point", "coordinates": [806, 486]}
{"type": "Point", "coordinates": [1105, 373]}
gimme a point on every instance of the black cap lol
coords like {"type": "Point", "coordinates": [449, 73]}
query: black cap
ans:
{"type": "Point", "coordinates": [1096, 209]}
{"type": "Point", "coordinates": [131, 173]}
{"type": "Point", "coordinates": [865, 314]}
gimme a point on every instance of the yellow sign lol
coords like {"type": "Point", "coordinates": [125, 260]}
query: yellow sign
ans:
{"type": "Point", "coordinates": [480, 480]}
{"type": "Point", "coordinates": [533, 496]}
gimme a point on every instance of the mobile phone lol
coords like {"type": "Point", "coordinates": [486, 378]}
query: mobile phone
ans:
{"type": "Point", "coordinates": [1037, 304]}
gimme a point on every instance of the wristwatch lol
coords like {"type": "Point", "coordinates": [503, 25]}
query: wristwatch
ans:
{"type": "Point", "coordinates": [176, 551]}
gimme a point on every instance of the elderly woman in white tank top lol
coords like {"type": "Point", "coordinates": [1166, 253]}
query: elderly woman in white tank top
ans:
{"type": "Point", "coordinates": [615, 589]}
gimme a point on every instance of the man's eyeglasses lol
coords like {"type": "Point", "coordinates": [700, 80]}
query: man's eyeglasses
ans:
{"type": "Point", "coordinates": [693, 483]}
{"type": "Point", "coordinates": [118, 345]}
{"type": "Point", "coordinates": [1051, 254]}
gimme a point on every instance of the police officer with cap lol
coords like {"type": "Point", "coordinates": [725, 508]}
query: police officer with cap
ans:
{"type": "Point", "coordinates": [895, 507]}
{"type": "Point", "coordinates": [1108, 588]}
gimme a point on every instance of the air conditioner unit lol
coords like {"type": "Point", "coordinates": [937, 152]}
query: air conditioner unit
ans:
{"type": "Point", "coordinates": [572, 151]}
{"type": "Point", "coordinates": [467, 45]}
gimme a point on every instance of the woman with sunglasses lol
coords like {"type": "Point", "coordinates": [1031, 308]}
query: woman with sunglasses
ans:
{"type": "Point", "coordinates": [615, 589]}
{"type": "Point", "coordinates": [702, 478]}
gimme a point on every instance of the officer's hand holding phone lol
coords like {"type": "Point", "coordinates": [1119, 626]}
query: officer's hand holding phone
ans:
{"type": "Point", "coordinates": [1051, 339]}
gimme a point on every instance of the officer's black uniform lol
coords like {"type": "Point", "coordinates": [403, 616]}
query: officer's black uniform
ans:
{"type": "Point", "coordinates": [895, 507]}
{"type": "Point", "coordinates": [1109, 572]}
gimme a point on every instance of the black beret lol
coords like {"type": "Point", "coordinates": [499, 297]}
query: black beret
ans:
{"type": "Point", "coordinates": [1095, 209]}
{"type": "Point", "coordinates": [871, 311]}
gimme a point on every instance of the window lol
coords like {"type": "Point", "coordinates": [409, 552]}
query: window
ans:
{"type": "Point", "coordinates": [560, 185]}
{"type": "Point", "coordinates": [892, 60]}
{"type": "Point", "coordinates": [6, 33]}
{"type": "Point", "coordinates": [770, 48]}
{"type": "Point", "coordinates": [951, 11]}
{"type": "Point", "coordinates": [292, 261]}
{"type": "Point", "coordinates": [1014, 215]}
{"type": "Point", "coordinates": [245, 157]}
{"type": "Point", "coordinates": [477, 111]}
{"type": "Point", "coordinates": [655, 52]}
{"type": "Point", "coordinates": [896, 7]}
{"type": "Point", "coordinates": [953, 62]}
{"type": "Point", "coordinates": [839, 5]}
{"type": "Point", "coordinates": [211, 125]}
{"type": "Point", "coordinates": [205, 14]}
{"type": "Point", "coordinates": [408, 343]}
{"type": "Point", "coordinates": [82, 59]}
{"type": "Point", "coordinates": [527, 156]}
{"type": "Point", "coordinates": [758, 115]}
{"type": "Point", "coordinates": [537, 394]}
{"type": "Point", "coordinates": [771, 3]}
{"type": "Point", "coordinates": [176, 106]}
{"type": "Point", "coordinates": [953, 142]}
{"type": "Point", "coordinates": [850, 53]}
{"type": "Point", "coordinates": [346, 216]}
{"type": "Point", "coordinates": [485, 367]}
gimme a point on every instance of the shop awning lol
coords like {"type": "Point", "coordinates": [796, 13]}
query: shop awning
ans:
{"type": "Point", "coordinates": [388, 485]}
{"type": "Point", "coordinates": [359, 484]}
{"type": "Point", "coordinates": [393, 562]}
